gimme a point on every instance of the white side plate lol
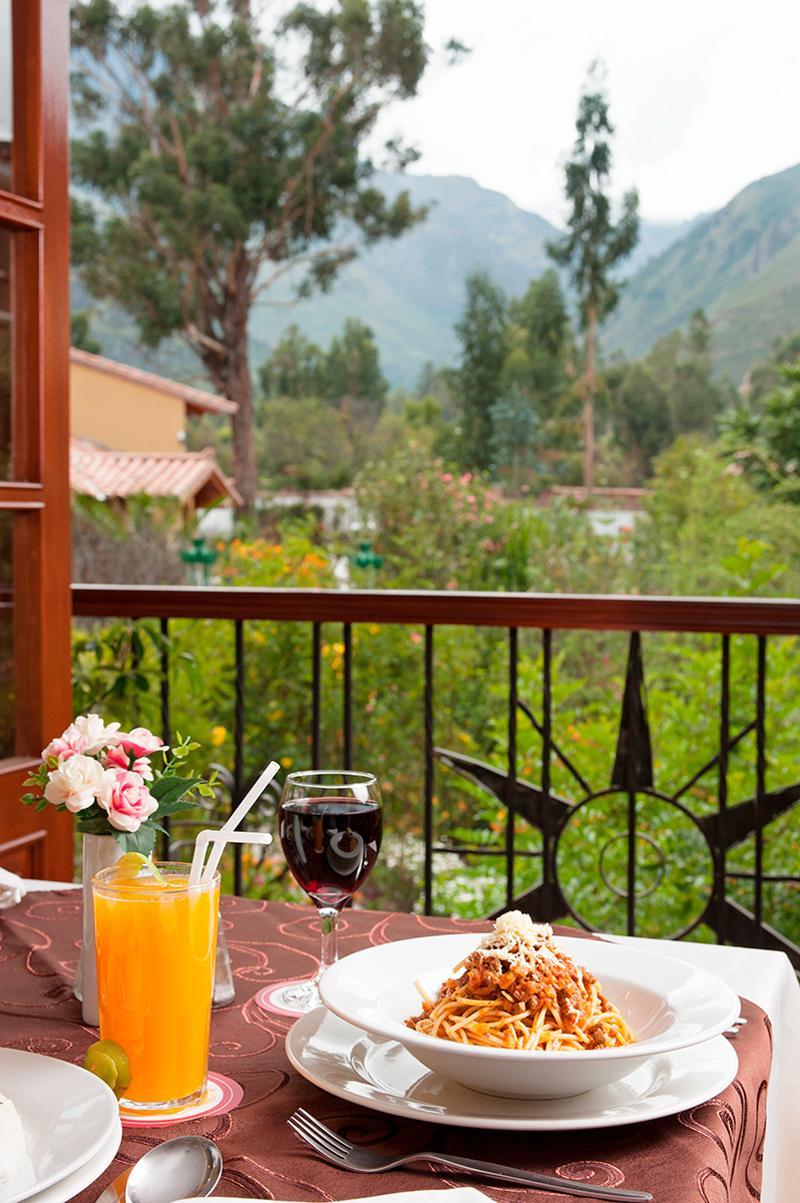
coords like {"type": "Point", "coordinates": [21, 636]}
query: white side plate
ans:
{"type": "Point", "coordinates": [68, 1114]}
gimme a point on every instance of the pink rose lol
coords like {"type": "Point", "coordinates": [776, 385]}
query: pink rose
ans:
{"type": "Point", "coordinates": [126, 798]}
{"type": "Point", "coordinates": [139, 741]}
{"type": "Point", "coordinates": [119, 758]}
{"type": "Point", "coordinates": [71, 742]}
{"type": "Point", "coordinates": [86, 735]}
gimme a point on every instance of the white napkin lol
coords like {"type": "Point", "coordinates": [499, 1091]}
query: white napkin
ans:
{"type": "Point", "coordinates": [12, 889]}
{"type": "Point", "coordinates": [456, 1194]}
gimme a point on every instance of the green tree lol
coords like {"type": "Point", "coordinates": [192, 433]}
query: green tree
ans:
{"type": "Point", "coordinates": [594, 244]}
{"type": "Point", "coordinates": [300, 443]}
{"type": "Point", "coordinates": [542, 316]}
{"type": "Point", "coordinates": [764, 442]}
{"type": "Point", "coordinates": [641, 421]}
{"type": "Point", "coordinates": [482, 334]}
{"type": "Point", "coordinates": [220, 171]}
{"type": "Point", "coordinates": [681, 363]}
{"type": "Point", "coordinates": [294, 369]}
{"type": "Point", "coordinates": [515, 426]}
{"type": "Point", "coordinates": [352, 372]}
{"type": "Point", "coordinates": [767, 375]}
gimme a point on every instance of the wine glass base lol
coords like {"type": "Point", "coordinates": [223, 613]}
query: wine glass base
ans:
{"type": "Point", "coordinates": [296, 997]}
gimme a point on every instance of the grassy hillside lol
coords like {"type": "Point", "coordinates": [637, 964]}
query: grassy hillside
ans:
{"type": "Point", "coordinates": [741, 264]}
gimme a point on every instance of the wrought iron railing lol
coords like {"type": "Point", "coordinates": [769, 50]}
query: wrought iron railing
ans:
{"type": "Point", "coordinates": [632, 778]}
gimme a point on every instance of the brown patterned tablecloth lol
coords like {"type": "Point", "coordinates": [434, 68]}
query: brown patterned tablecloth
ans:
{"type": "Point", "coordinates": [711, 1154]}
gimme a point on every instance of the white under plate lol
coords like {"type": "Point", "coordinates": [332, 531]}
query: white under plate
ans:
{"type": "Point", "coordinates": [69, 1116]}
{"type": "Point", "coordinates": [381, 1075]}
{"type": "Point", "coordinates": [67, 1188]}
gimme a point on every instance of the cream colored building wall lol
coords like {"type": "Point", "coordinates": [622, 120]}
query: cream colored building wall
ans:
{"type": "Point", "coordinates": [123, 414]}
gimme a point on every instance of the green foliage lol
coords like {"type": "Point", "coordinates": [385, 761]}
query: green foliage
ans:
{"type": "Point", "coordinates": [481, 331]}
{"type": "Point", "coordinates": [302, 444]}
{"type": "Point", "coordinates": [515, 425]}
{"type": "Point", "coordinates": [594, 245]}
{"type": "Point", "coordinates": [640, 417]}
{"type": "Point", "coordinates": [218, 174]}
{"type": "Point", "coordinates": [710, 533]}
{"type": "Point", "coordinates": [294, 368]}
{"type": "Point", "coordinates": [681, 362]}
{"type": "Point", "coordinates": [80, 335]}
{"type": "Point", "coordinates": [352, 368]}
{"type": "Point", "coordinates": [705, 531]}
{"type": "Point", "coordinates": [763, 442]}
{"type": "Point", "coordinates": [767, 374]}
{"type": "Point", "coordinates": [542, 318]}
{"type": "Point", "coordinates": [647, 403]}
{"type": "Point", "coordinates": [137, 541]}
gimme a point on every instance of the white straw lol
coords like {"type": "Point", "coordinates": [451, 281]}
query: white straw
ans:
{"type": "Point", "coordinates": [204, 838]}
{"type": "Point", "coordinates": [246, 804]}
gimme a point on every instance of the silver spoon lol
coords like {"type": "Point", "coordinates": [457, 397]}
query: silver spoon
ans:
{"type": "Point", "coordinates": [183, 1168]}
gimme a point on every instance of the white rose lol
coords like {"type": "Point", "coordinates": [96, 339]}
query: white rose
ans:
{"type": "Point", "coordinates": [95, 732]}
{"type": "Point", "coordinates": [75, 782]}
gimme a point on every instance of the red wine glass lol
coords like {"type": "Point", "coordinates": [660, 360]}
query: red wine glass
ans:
{"type": "Point", "coordinates": [330, 824]}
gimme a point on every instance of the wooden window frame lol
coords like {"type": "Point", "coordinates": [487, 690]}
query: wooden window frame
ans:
{"type": "Point", "coordinates": [39, 497]}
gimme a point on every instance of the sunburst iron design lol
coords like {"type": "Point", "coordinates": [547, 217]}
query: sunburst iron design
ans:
{"type": "Point", "coordinates": [643, 839]}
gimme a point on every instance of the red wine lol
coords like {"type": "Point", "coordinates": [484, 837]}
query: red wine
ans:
{"type": "Point", "coordinates": [330, 845]}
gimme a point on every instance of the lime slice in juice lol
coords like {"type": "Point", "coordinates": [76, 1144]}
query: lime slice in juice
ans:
{"type": "Point", "coordinates": [131, 865]}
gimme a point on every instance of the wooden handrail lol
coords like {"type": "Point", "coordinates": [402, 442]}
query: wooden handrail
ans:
{"type": "Point", "coordinates": [555, 611]}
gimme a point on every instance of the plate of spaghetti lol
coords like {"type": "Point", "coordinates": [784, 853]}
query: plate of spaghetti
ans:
{"type": "Point", "coordinates": [521, 1013]}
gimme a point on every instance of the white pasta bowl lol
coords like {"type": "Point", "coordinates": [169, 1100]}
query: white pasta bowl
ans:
{"type": "Point", "coordinates": [668, 1004]}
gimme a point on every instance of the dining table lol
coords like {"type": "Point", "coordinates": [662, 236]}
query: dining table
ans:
{"type": "Point", "coordinates": [741, 1145]}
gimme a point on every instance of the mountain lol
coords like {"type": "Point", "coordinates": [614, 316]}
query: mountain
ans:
{"type": "Point", "coordinates": [741, 264]}
{"type": "Point", "coordinates": [409, 291]}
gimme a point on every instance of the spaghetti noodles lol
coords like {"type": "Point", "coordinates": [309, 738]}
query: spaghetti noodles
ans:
{"type": "Point", "coordinates": [518, 990]}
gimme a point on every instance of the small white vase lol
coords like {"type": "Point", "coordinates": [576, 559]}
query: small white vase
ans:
{"type": "Point", "coordinates": [99, 852]}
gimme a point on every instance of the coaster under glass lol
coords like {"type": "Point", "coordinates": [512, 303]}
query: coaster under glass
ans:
{"type": "Point", "coordinates": [160, 1108]}
{"type": "Point", "coordinates": [296, 997]}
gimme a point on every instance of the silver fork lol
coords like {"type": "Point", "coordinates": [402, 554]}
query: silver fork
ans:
{"type": "Point", "coordinates": [341, 1152]}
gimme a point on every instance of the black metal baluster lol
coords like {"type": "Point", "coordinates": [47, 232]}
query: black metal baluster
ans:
{"type": "Point", "coordinates": [238, 745]}
{"type": "Point", "coordinates": [511, 778]}
{"type": "Point", "coordinates": [631, 895]}
{"type": "Point", "coordinates": [166, 732]}
{"type": "Point", "coordinates": [547, 852]}
{"type": "Point", "coordinates": [429, 769]}
{"type": "Point", "coordinates": [761, 773]}
{"type": "Point", "coordinates": [316, 645]}
{"type": "Point", "coordinates": [348, 695]}
{"type": "Point", "coordinates": [722, 789]}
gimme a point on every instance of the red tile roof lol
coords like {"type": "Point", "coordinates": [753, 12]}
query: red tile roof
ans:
{"type": "Point", "coordinates": [197, 400]}
{"type": "Point", "coordinates": [188, 475]}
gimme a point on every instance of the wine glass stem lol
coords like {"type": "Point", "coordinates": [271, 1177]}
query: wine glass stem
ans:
{"type": "Point", "coordinates": [329, 952]}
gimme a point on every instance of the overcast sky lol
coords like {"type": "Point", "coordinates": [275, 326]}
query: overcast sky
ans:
{"type": "Point", "coordinates": [705, 96]}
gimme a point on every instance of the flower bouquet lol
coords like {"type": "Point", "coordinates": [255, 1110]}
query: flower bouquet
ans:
{"type": "Point", "coordinates": [120, 785]}
{"type": "Point", "coordinates": [117, 783]}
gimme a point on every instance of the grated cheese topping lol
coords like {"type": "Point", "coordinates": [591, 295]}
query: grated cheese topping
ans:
{"type": "Point", "coordinates": [517, 940]}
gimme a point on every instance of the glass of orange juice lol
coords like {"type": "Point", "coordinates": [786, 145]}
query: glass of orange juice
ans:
{"type": "Point", "coordinates": [156, 941]}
